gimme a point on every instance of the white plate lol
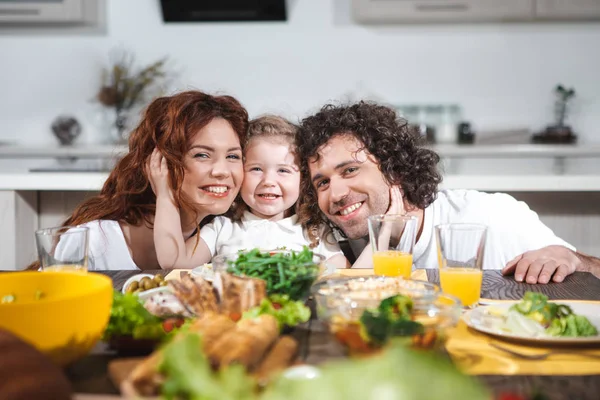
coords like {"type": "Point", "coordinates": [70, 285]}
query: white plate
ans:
{"type": "Point", "coordinates": [204, 271]}
{"type": "Point", "coordinates": [481, 319]}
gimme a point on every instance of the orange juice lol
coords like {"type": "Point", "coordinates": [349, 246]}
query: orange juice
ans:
{"type": "Point", "coordinates": [66, 268]}
{"type": "Point", "coordinates": [392, 263]}
{"type": "Point", "coordinates": [464, 283]}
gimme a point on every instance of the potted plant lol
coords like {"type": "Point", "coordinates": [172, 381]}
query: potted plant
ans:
{"type": "Point", "coordinates": [126, 88]}
{"type": "Point", "coordinates": [559, 132]}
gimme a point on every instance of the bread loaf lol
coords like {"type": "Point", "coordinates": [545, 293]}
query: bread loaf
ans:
{"type": "Point", "coordinates": [27, 374]}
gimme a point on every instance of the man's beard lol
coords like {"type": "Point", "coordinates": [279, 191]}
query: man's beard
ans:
{"type": "Point", "coordinates": [356, 229]}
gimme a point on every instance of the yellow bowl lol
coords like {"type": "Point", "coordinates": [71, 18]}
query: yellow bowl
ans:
{"type": "Point", "coordinates": [63, 314]}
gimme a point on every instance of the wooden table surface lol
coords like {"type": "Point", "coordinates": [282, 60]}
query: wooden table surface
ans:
{"type": "Point", "coordinates": [90, 374]}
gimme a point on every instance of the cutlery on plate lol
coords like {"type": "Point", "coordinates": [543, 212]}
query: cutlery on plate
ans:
{"type": "Point", "coordinates": [542, 356]}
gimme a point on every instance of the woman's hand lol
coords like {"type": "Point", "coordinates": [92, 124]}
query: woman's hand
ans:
{"type": "Point", "coordinates": [158, 175]}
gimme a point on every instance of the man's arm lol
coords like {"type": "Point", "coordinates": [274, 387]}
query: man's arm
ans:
{"type": "Point", "coordinates": [589, 264]}
{"type": "Point", "coordinates": [551, 262]}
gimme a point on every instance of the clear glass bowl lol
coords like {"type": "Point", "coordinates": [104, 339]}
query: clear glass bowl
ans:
{"type": "Point", "coordinates": [341, 308]}
{"type": "Point", "coordinates": [350, 296]}
{"type": "Point", "coordinates": [294, 279]}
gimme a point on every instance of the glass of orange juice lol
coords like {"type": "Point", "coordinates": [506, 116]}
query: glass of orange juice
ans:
{"type": "Point", "coordinates": [63, 248]}
{"type": "Point", "coordinates": [460, 257]}
{"type": "Point", "coordinates": [392, 240]}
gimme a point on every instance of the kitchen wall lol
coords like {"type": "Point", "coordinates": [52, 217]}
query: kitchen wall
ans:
{"type": "Point", "coordinates": [502, 74]}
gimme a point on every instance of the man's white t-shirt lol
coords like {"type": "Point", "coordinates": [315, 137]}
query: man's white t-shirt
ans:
{"type": "Point", "coordinates": [224, 236]}
{"type": "Point", "coordinates": [108, 248]}
{"type": "Point", "coordinates": [513, 228]}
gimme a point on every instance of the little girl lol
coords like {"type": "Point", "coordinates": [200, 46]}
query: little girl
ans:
{"type": "Point", "coordinates": [266, 218]}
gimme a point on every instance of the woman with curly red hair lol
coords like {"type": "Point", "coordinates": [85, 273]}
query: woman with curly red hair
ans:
{"type": "Point", "coordinates": [200, 137]}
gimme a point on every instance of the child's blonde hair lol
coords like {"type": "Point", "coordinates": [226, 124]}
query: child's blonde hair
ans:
{"type": "Point", "coordinates": [271, 127]}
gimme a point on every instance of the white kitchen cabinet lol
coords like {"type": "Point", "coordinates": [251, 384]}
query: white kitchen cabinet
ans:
{"type": "Point", "coordinates": [52, 16]}
{"type": "Point", "coordinates": [441, 11]}
{"type": "Point", "coordinates": [567, 9]}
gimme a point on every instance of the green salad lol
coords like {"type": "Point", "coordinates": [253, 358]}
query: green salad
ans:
{"type": "Point", "coordinates": [291, 272]}
{"type": "Point", "coordinates": [128, 317]}
{"type": "Point", "coordinates": [557, 319]}
{"type": "Point", "coordinates": [287, 312]}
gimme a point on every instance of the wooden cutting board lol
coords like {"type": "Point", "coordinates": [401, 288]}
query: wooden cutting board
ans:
{"type": "Point", "coordinates": [119, 370]}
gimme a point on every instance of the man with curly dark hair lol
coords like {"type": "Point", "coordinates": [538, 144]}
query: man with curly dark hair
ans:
{"type": "Point", "coordinates": [356, 159]}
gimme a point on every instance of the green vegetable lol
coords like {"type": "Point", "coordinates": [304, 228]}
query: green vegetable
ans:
{"type": "Point", "coordinates": [391, 318]}
{"type": "Point", "coordinates": [128, 317]}
{"type": "Point", "coordinates": [558, 319]}
{"type": "Point", "coordinates": [398, 373]}
{"type": "Point", "coordinates": [9, 298]}
{"type": "Point", "coordinates": [572, 326]}
{"type": "Point", "coordinates": [189, 375]}
{"type": "Point", "coordinates": [537, 307]}
{"type": "Point", "coordinates": [291, 273]}
{"type": "Point", "coordinates": [287, 312]}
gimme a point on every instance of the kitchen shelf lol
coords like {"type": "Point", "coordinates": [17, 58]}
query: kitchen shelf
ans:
{"type": "Point", "coordinates": [445, 150]}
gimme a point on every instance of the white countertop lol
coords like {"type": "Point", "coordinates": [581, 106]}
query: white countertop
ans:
{"type": "Point", "coordinates": [92, 181]}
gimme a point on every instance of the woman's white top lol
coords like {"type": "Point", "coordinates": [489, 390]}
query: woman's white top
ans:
{"type": "Point", "coordinates": [108, 248]}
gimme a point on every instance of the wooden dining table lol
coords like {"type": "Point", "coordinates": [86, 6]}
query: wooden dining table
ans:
{"type": "Point", "coordinates": [90, 378]}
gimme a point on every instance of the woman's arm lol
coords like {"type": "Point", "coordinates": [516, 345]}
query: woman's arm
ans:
{"type": "Point", "coordinates": [338, 261]}
{"type": "Point", "coordinates": [172, 250]}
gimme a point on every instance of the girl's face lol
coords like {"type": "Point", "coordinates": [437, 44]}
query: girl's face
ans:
{"type": "Point", "coordinates": [213, 168]}
{"type": "Point", "coordinates": [271, 178]}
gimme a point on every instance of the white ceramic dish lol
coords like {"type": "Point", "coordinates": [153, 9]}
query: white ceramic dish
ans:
{"type": "Point", "coordinates": [146, 294]}
{"type": "Point", "coordinates": [301, 372]}
{"type": "Point", "coordinates": [135, 278]}
{"type": "Point", "coordinates": [204, 271]}
{"type": "Point", "coordinates": [484, 319]}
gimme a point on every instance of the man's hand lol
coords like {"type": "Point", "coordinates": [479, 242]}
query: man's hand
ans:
{"type": "Point", "coordinates": [158, 175]}
{"type": "Point", "coordinates": [539, 266]}
{"type": "Point", "coordinates": [396, 201]}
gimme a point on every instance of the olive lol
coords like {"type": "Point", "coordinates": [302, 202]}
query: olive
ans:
{"type": "Point", "coordinates": [144, 282]}
{"type": "Point", "coordinates": [132, 286]}
{"type": "Point", "coordinates": [163, 283]}
{"type": "Point", "coordinates": [151, 285]}
{"type": "Point", "coordinates": [138, 290]}
{"type": "Point", "coordinates": [158, 278]}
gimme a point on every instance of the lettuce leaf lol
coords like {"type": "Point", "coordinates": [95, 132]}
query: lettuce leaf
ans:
{"type": "Point", "coordinates": [572, 326]}
{"type": "Point", "coordinates": [558, 319]}
{"type": "Point", "coordinates": [397, 373]}
{"type": "Point", "coordinates": [128, 317]}
{"type": "Point", "coordinates": [189, 374]}
{"type": "Point", "coordinates": [287, 312]}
